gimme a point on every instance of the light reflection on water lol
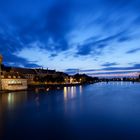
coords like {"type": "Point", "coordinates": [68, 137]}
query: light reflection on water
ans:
{"type": "Point", "coordinates": [71, 92]}
{"type": "Point", "coordinates": [8, 103]}
{"type": "Point", "coordinates": [89, 111]}
{"type": "Point", "coordinates": [115, 83]}
{"type": "Point", "coordinates": [13, 99]}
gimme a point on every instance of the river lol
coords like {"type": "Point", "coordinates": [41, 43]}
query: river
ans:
{"type": "Point", "coordinates": [101, 111]}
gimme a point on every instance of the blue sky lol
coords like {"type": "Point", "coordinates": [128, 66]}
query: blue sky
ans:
{"type": "Point", "coordinates": [69, 35]}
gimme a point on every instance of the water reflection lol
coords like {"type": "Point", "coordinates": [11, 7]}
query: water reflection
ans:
{"type": "Point", "coordinates": [11, 100]}
{"type": "Point", "coordinates": [8, 103]}
{"type": "Point", "coordinates": [116, 83]}
{"type": "Point", "coordinates": [101, 107]}
{"type": "Point", "coordinates": [71, 92]}
{"type": "Point", "coordinates": [65, 93]}
{"type": "Point", "coordinates": [37, 101]}
{"type": "Point", "coordinates": [80, 89]}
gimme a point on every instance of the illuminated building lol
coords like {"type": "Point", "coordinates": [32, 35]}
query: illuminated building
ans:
{"type": "Point", "coordinates": [13, 81]}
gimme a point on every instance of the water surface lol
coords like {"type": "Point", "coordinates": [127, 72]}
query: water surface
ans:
{"type": "Point", "coordinates": [92, 112]}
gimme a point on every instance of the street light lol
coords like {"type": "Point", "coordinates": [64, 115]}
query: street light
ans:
{"type": "Point", "coordinates": [1, 58]}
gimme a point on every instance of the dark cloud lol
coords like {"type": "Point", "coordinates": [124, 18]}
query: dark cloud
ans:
{"type": "Point", "coordinates": [110, 68]}
{"type": "Point", "coordinates": [96, 46]}
{"type": "Point", "coordinates": [109, 64]}
{"type": "Point", "coordinates": [31, 65]}
{"type": "Point", "coordinates": [50, 23]}
{"type": "Point", "coordinates": [84, 49]}
{"type": "Point", "coordinates": [124, 38]}
{"type": "Point", "coordinates": [58, 23]}
{"type": "Point", "coordinates": [53, 55]}
{"type": "Point", "coordinates": [136, 66]}
{"type": "Point", "coordinates": [133, 51]}
{"type": "Point", "coordinates": [30, 23]}
{"type": "Point", "coordinates": [13, 60]}
{"type": "Point", "coordinates": [71, 71]}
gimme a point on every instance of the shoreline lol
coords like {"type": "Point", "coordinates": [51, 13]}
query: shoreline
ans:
{"type": "Point", "coordinates": [45, 87]}
{"type": "Point", "coordinates": [48, 87]}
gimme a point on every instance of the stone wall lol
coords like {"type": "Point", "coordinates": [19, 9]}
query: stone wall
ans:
{"type": "Point", "coordinates": [14, 84]}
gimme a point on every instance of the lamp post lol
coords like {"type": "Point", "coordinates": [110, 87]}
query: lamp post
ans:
{"type": "Point", "coordinates": [0, 71]}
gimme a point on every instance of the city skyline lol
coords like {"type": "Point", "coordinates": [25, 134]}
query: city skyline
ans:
{"type": "Point", "coordinates": [71, 35]}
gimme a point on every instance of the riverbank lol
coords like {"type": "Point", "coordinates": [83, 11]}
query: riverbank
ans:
{"type": "Point", "coordinates": [45, 87]}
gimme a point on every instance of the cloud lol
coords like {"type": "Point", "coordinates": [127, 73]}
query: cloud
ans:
{"type": "Point", "coordinates": [31, 65]}
{"type": "Point", "coordinates": [58, 23]}
{"type": "Point", "coordinates": [135, 66]}
{"type": "Point", "coordinates": [13, 60]}
{"type": "Point", "coordinates": [86, 29]}
{"type": "Point", "coordinates": [95, 47]}
{"type": "Point", "coordinates": [133, 51]}
{"type": "Point", "coordinates": [72, 71]}
{"type": "Point", "coordinates": [108, 64]}
{"type": "Point", "coordinates": [108, 69]}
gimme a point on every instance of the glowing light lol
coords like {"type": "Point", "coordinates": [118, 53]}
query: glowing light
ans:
{"type": "Point", "coordinates": [10, 99]}
{"type": "Point", "coordinates": [73, 91]}
{"type": "Point", "coordinates": [80, 89]}
{"type": "Point", "coordinates": [65, 93]}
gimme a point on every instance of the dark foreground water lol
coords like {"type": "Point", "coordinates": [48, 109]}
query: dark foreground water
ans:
{"type": "Point", "coordinates": [93, 112]}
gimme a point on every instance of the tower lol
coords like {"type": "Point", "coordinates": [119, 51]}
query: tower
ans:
{"type": "Point", "coordinates": [1, 58]}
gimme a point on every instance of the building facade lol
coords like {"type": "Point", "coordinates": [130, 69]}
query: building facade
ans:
{"type": "Point", "coordinates": [13, 84]}
{"type": "Point", "coordinates": [13, 81]}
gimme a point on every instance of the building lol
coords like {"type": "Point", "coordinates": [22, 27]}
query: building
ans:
{"type": "Point", "coordinates": [29, 74]}
{"type": "Point", "coordinates": [13, 81]}
{"type": "Point", "coordinates": [44, 72]}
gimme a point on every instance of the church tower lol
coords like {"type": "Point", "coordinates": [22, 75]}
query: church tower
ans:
{"type": "Point", "coordinates": [1, 58]}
